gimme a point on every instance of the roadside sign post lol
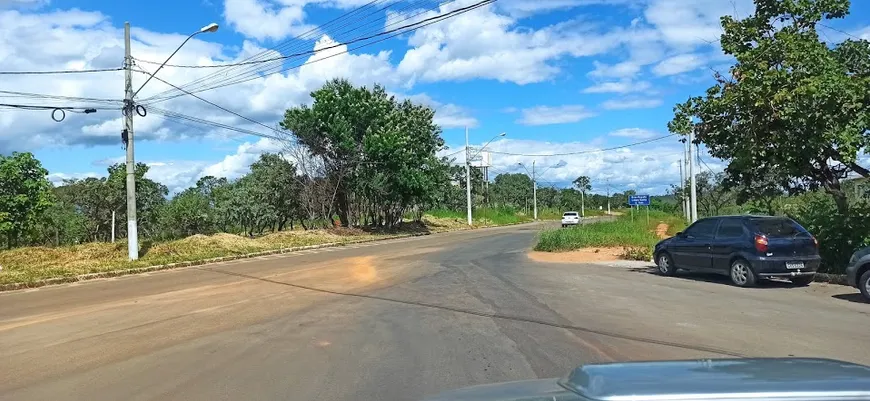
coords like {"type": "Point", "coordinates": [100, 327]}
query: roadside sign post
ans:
{"type": "Point", "coordinates": [639, 200]}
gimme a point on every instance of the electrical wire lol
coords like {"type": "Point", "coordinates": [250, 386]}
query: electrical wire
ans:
{"type": "Point", "coordinates": [277, 48]}
{"type": "Point", "coordinates": [179, 116]}
{"type": "Point", "coordinates": [585, 151]}
{"type": "Point", "coordinates": [214, 104]}
{"type": "Point", "coordinates": [305, 53]}
{"type": "Point", "coordinates": [42, 96]}
{"type": "Point", "coordinates": [223, 76]}
{"type": "Point", "coordinates": [60, 71]}
{"type": "Point", "coordinates": [395, 32]}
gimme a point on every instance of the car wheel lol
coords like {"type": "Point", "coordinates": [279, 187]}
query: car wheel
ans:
{"type": "Point", "coordinates": [802, 281]}
{"type": "Point", "coordinates": [741, 274]}
{"type": "Point", "coordinates": [864, 285]}
{"type": "Point", "coordinates": [665, 264]}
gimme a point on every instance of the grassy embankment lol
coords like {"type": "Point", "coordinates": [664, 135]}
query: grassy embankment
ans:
{"type": "Point", "coordinates": [32, 264]}
{"type": "Point", "coordinates": [636, 237]}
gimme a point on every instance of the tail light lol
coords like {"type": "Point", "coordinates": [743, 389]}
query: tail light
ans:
{"type": "Point", "coordinates": [761, 243]}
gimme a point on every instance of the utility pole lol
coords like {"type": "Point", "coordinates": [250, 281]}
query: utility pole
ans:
{"type": "Point", "coordinates": [683, 197]}
{"type": "Point", "coordinates": [467, 176]}
{"type": "Point", "coordinates": [608, 196]}
{"type": "Point", "coordinates": [582, 203]}
{"type": "Point", "coordinates": [693, 189]}
{"type": "Point", "coordinates": [113, 226]}
{"type": "Point", "coordinates": [535, 190]}
{"type": "Point", "coordinates": [129, 109]}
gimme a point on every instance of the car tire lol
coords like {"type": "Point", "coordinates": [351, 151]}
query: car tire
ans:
{"type": "Point", "coordinates": [864, 285]}
{"type": "Point", "coordinates": [802, 281]}
{"type": "Point", "coordinates": [665, 264]}
{"type": "Point", "coordinates": [741, 273]}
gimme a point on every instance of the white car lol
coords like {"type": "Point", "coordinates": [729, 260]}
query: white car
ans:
{"type": "Point", "coordinates": [570, 219]}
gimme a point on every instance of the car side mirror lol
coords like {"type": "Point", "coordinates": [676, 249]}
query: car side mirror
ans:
{"type": "Point", "coordinates": [681, 235]}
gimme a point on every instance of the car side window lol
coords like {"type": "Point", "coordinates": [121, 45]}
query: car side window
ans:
{"type": "Point", "coordinates": [703, 228]}
{"type": "Point", "coordinates": [730, 228]}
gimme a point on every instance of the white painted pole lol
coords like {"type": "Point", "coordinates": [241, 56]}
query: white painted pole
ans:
{"type": "Point", "coordinates": [467, 177]}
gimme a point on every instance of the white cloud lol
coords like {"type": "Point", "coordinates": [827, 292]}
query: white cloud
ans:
{"type": "Point", "coordinates": [688, 23]}
{"type": "Point", "coordinates": [630, 103]}
{"type": "Point", "coordinates": [446, 115]}
{"type": "Point", "coordinates": [58, 178]}
{"type": "Point", "coordinates": [678, 64]}
{"type": "Point", "coordinates": [546, 115]}
{"type": "Point", "coordinates": [625, 69]}
{"type": "Point", "coordinates": [634, 133]}
{"type": "Point", "coordinates": [488, 45]}
{"type": "Point", "coordinates": [262, 19]}
{"type": "Point", "coordinates": [624, 86]}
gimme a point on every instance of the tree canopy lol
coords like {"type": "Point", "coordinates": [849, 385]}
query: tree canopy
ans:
{"type": "Point", "coordinates": [793, 112]}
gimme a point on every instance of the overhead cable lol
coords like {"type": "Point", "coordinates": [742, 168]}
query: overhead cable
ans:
{"type": "Point", "coordinates": [224, 73]}
{"type": "Point", "coordinates": [179, 116]}
{"type": "Point", "coordinates": [60, 71]}
{"type": "Point", "coordinates": [231, 73]}
{"type": "Point", "coordinates": [213, 104]}
{"type": "Point", "coordinates": [582, 152]}
{"type": "Point", "coordinates": [394, 33]}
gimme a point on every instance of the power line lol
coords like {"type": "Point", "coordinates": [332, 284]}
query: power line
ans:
{"type": "Point", "coordinates": [312, 52]}
{"type": "Point", "coordinates": [184, 117]}
{"type": "Point", "coordinates": [396, 32]}
{"type": "Point", "coordinates": [267, 51]}
{"type": "Point", "coordinates": [212, 103]}
{"type": "Point", "coordinates": [42, 96]}
{"type": "Point", "coordinates": [222, 76]}
{"type": "Point", "coordinates": [585, 151]}
{"type": "Point", "coordinates": [60, 71]}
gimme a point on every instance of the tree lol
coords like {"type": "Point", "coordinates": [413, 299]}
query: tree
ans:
{"type": "Point", "coordinates": [582, 183]}
{"type": "Point", "coordinates": [793, 106]}
{"type": "Point", "coordinates": [25, 194]}
{"type": "Point", "coordinates": [379, 152]}
{"type": "Point", "coordinates": [150, 197]}
{"type": "Point", "coordinates": [512, 190]}
{"type": "Point", "coordinates": [712, 195]}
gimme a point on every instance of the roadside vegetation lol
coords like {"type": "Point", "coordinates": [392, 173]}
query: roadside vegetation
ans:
{"type": "Point", "coordinates": [635, 236]}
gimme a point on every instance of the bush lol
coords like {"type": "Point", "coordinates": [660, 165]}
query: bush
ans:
{"type": "Point", "coordinates": [839, 236]}
{"type": "Point", "coordinates": [637, 253]}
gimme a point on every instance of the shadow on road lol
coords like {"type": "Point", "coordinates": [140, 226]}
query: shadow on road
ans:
{"type": "Point", "coordinates": [853, 297]}
{"type": "Point", "coordinates": [716, 278]}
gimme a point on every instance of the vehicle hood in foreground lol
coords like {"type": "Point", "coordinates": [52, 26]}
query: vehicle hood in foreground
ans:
{"type": "Point", "coordinates": [690, 380]}
{"type": "Point", "coordinates": [526, 390]}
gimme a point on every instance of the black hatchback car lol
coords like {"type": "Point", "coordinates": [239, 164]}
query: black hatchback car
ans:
{"type": "Point", "coordinates": [746, 248]}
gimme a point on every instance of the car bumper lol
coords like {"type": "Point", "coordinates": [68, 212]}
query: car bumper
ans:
{"type": "Point", "coordinates": [851, 275]}
{"type": "Point", "coordinates": [570, 222]}
{"type": "Point", "coordinates": [776, 267]}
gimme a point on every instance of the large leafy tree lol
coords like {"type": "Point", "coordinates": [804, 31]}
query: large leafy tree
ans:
{"type": "Point", "coordinates": [379, 152]}
{"type": "Point", "coordinates": [792, 106]}
{"type": "Point", "coordinates": [25, 194]}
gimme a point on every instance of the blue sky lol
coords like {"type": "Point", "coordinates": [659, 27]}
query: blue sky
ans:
{"type": "Point", "coordinates": [556, 75]}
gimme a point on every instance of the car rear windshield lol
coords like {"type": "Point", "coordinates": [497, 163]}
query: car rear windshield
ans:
{"type": "Point", "coordinates": [570, 214]}
{"type": "Point", "coordinates": [777, 228]}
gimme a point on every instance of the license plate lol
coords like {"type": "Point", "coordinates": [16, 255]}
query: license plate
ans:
{"type": "Point", "coordinates": [794, 265]}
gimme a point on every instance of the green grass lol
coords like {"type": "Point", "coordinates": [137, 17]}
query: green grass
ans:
{"type": "Point", "coordinates": [483, 216]}
{"type": "Point", "coordinates": [622, 232]}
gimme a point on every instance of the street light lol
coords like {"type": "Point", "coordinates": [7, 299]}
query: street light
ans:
{"type": "Point", "coordinates": [129, 109]}
{"type": "Point", "coordinates": [213, 27]}
{"type": "Point", "coordinates": [468, 158]}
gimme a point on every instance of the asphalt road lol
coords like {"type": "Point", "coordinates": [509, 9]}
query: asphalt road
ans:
{"type": "Point", "coordinates": [393, 320]}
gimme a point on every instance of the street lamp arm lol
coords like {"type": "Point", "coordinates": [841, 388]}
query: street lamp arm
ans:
{"type": "Point", "coordinates": [208, 28]}
{"type": "Point", "coordinates": [487, 144]}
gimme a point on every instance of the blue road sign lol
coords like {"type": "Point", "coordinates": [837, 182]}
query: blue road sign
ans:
{"type": "Point", "coordinates": [638, 200]}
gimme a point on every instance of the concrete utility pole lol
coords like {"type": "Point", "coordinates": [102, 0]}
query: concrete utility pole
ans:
{"type": "Point", "coordinates": [534, 190]}
{"type": "Point", "coordinates": [129, 109]}
{"type": "Point", "coordinates": [683, 191]}
{"type": "Point", "coordinates": [467, 176]}
{"type": "Point", "coordinates": [608, 196]}
{"type": "Point", "coordinates": [692, 177]}
{"type": "Point", "coordinates": [132, 233]}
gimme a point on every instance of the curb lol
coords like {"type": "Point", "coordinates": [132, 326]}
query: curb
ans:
{"type": "Point", "coordinates": [178, 265]}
